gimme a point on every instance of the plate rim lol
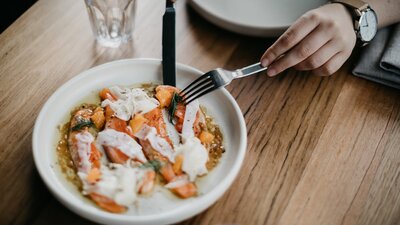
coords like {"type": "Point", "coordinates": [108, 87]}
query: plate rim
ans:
{"type": "Point", "coordinates": [237, 27]}
{"type": "Point", "coordinates": [93, 213]}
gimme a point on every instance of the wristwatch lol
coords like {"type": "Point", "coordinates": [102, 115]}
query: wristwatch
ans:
{"type": "Point", "coordinates": [365, 20]}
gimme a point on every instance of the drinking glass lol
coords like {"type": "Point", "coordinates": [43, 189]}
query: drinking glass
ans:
{"type": "Point", "coordinates": [112, 21]}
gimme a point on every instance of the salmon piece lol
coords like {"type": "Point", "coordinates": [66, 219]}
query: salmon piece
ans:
{"type": "Point", "coordinates": [115, 155]}
{"type": "Point", "coordinates": [94, 175]}
{"type": "Point", "coordinates": [116, 123]}
{"type": "Point", "coordinates": [137, 122]}
{"type": "Point", "coordinates": [95, 154]}
{"type": "Point", "coordinates": [164, 97]}
{"type": "Point", "coordinates": [185, 191]}
{"type": "Point", "coordinates": [106, 94]}
{"type": "Point", "coordinates": [79, 116]}
{"type": "Point", "coordinates": [167, 172]}
{"type": "Point", "coordinates": [98, 118]}
{"type": "Point", "coordinates": [171, 171]}
{"type": "Point", "coordinates": [180, 117]}
{"type": "Point", "coordinates": [164, 94]}
{"type": "Point", "coordinates": [147, 184]}
{"type": "Point", "coordinates": [94, 159]}
{"type": "Point", "coordinates": [155, 119]}
{"type": "Point", "coordinates": [112, 122]}
{"type": "Point", "coordinates": [150, 153]}
{"type": "Point", "coordinates": [107, 203]}
{"type": "Point", "coordinates": [177, 167]}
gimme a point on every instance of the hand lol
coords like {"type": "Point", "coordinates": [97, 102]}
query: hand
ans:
{"type": "Point", "coordinates": [321, 41]}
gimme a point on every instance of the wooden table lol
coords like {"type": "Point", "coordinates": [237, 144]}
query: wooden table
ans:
{"type": "Point", "coordinates": [320, 150]}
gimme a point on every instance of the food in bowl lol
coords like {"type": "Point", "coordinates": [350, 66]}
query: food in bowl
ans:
{"type": "Point", "coordinates": [135, 138]}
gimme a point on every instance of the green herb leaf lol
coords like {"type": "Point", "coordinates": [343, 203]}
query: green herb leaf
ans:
{"type": "Point", "coordinates": [176, 99]}
{"type": "Point", "coordinates": [81, 124]}
{"type": "Point", "coordinates": [154, 164]}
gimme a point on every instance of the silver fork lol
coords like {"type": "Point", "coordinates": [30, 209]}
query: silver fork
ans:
{"type": "Point", "coordinates": [215, 79]}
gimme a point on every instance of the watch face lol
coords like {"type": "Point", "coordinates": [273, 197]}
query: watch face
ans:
{"type": "Point", "coordinates": [368, 25]}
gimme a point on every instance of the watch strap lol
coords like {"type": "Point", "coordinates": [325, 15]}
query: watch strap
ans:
{"type": "Point", "coordinates": [355, 4]}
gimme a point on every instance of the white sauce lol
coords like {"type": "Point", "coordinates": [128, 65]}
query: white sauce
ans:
{"type": "Point", "coordinates": [128, 178]}
{"type": "Point", "coordinates": [173, 134]}
{"type": "Point", "coordinates": [156, 141]}
{"type": "Point", "coordinates": [83, 144]}
{"type": "Point", "coordinates": [129, 102]}
{"type": "Point", "coordinates": [195, 157]}
{"type": "Point", "coordinates": [189, 119]}
{"type": "Point", "coordinates": [177, 182]}
{"type": "Point", "coordinates": [121, 141]}
{"type": "Point", "coordinates": [119, 183]}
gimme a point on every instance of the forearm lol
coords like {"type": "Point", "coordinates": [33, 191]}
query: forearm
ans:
{"type": "Point", "coordinates": [388, 11]}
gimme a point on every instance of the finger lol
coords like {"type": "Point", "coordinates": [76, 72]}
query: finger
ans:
{"type": "Point", "coordinates": [311, 43]}
{"type": "Point", "coordinates": [293, 35]}
{"type": "Point", "coordinates": [332, 65]}
{"type": "Point", "coordinates": [320, 57]}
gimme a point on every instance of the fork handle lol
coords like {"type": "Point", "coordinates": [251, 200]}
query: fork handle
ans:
{"type": "Point", "coordinates": [250, 70]}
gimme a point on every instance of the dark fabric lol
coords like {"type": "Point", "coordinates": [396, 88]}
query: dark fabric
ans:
{"type": "Point", "coordinates": [380, 60]}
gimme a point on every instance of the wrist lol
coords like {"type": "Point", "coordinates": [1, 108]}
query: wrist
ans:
{"type": "Point", "coordinates": [364, 19]}
{"type": "Point", "coordinates": [347, 21]}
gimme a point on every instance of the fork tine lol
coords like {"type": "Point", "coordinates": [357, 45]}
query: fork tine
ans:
{"type": "Point", "coordinates": [205, 76]}
{"type": "Point", "coordinates": [201, 85]}
{"type": "Point", "coordinates": [197, 95]}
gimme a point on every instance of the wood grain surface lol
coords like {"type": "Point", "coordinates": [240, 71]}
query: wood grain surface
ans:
{"type": "Point", "coordinates": [321, 150]}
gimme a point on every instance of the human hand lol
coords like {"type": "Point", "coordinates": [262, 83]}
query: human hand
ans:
{"type": "Point", "coordinates": [321, 41]}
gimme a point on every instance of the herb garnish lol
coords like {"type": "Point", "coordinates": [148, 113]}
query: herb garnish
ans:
{"type": "Point", "coordinates": [176, 99]}
{"type": "Point", "coordinates": [154, 164]}
{"type": "Point", "coordinates": [81, 124]}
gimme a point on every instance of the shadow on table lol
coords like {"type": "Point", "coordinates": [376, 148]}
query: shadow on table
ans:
{"type": "Point", "coordinates": [11, 10]}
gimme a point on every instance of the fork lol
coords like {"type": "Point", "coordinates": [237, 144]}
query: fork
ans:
{"type": "Point", "coordinates": [215, 79]}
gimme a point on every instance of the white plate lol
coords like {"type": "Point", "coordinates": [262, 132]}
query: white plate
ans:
{"type": "Point", "coordinates": [162, 207]}
{"type": "Point", "coordinates": [262, 18]}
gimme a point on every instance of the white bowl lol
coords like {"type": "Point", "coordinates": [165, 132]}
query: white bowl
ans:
{"type": "Point", "coordinates": [162, 207]}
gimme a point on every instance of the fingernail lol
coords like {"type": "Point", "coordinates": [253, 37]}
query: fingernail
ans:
{"type": "Point", "coordinates": [271, 72]}
{"type": "Point", "coordinates": [265, 62]}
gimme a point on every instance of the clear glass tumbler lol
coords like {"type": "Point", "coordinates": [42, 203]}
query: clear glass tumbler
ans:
{"type": "Point", "coordinates": [112, 21]}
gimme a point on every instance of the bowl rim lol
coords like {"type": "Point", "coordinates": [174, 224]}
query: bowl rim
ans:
{"type": "Point", "coordinates": [90, 212]}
